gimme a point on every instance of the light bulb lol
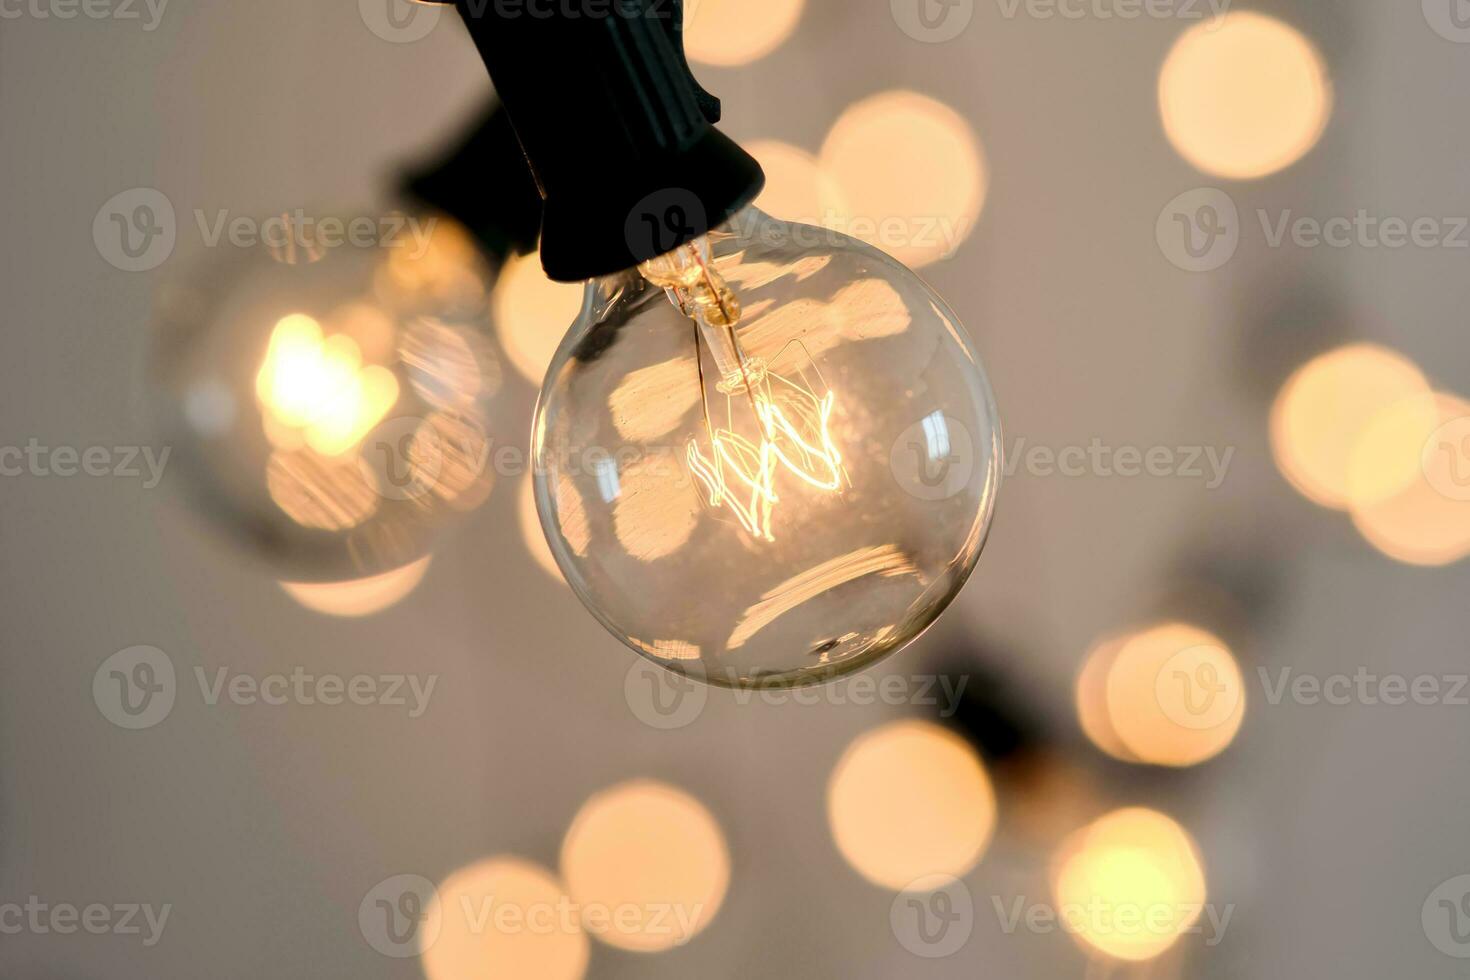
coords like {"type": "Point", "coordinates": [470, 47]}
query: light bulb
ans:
{"type": "Point", "coordinates": [331, 404]}
{"type": "Point", "coordinates": [772, 450]}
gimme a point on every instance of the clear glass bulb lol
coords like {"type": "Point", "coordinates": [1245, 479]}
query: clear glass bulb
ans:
{"type": "Point", "coordinates": [770, 456]}
{"type": "Point", "coordinates": [330, 405]}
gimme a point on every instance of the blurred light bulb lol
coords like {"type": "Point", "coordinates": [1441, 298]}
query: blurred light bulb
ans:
{"type": "Point", "coordinates": [910, 172]}
{"type": "Point", "coordinates": [1243, 95]}
{"type": "Point", "coordinates": [1322, 411]}
{"type": "Point", "coordinates": [797, 188]}
{"type": "Point", "coordinates": [359, 597]}
{"type": "Point", "coordinates": [1129, 884]}
{"type": "Point", "coordinates": [503, 917]}
{"type": "Point", "coordinates": [737, 32]}
{"type": "Point", "coordinates": [531, 314]}
{"type": "Point", "coordinates": [910, 801]}
{"type": "Point", "coordinates": [1409, 480]}
{"type": "Point", "coordinates": [775, 444]}
{"type": "Point", "coordinates": [647, 865]}
{"type": "Point", "coordinates": [332, 403]}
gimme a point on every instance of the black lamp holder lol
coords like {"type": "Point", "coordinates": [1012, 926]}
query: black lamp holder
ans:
{"type": "Point", "coordinates": [617, 132]}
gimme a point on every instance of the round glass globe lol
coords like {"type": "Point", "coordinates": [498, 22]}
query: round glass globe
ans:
{"type": "Point", "coordinates": [328, 401]}
{"type": "Point", "coordinates": [786, 497]}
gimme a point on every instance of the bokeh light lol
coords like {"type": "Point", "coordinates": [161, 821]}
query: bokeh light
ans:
{"type": "Point", "coordinates": [909, 801]}
{"type": "Point", "coordinates": [797, 188]}
{"type": "Point", "coordinates": [1175, 695]}
{"type": "Point", "coordinates": [647, 864]}
{"type": "Point", "coordinates": [737, 32]}
{"type": "Point", "coordinates": [503, 917]}
{"type": "Point", "coordinates": [359, 597]}
{"type": "Point", "coordinates": [1129, 884]}
{"type": "Point", "coordinates": [1420, 513]}
{"type": "Point", "coordinates": [1322, 411]}
{"type": "Point", "coordinates": [911, 173]}
{"type": "Point", "coordinates": [1092, 699]}
{"type": "Point", "coordinates": [1243, 96]}
{"type": "Point", "coordinates": [532, 314]}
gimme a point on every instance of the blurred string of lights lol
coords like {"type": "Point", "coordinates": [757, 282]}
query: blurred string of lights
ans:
{"type": "Point", "coordinates": [1359, 430]}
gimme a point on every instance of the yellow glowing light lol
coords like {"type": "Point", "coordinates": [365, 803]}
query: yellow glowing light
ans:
{"type": "Point", "coordinates": [647, 864]}
{"type": "Point", "coordinates": [531, 531]}
{"type": "Point", "coordinates": [794, 427]}
{"type": "Point", "coordinates": [532, 314]}
{"type": "Point", "coordinates": [911, 173]}
{"type": "Point", "coordinates": [1092, 699]}
{"type": "Point", "coordinates": [737, 32]}
{"type": "Point", "coordinates": [1426, 520]}
{"type": "Point", "coordinates": [1321, 414]}
{"type": "Point", "coordinates": [797, 189]}
{"type": "Point", "coordinates": [445, 267]}
{"type": "Point", "coordinates": [503, 917]}
{"type": "Point", "coordinates": [318, 384]}
{"type": "Point", "coordinates": [1243, 96]}
{"type": "Point", "coordinates": [908, 801]}
{"type": "Point", "coordinates": [1175, 695]}
{"type": "Point", "coordinates": [1129, 884]}
{"type": "Point", "coordinates": [362, 596]}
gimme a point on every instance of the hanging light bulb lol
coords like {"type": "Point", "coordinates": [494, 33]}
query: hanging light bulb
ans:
{"type": "Point", "coordinates": [763, 442]}
{"type": "Point", "coordinates": [328, 396]}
